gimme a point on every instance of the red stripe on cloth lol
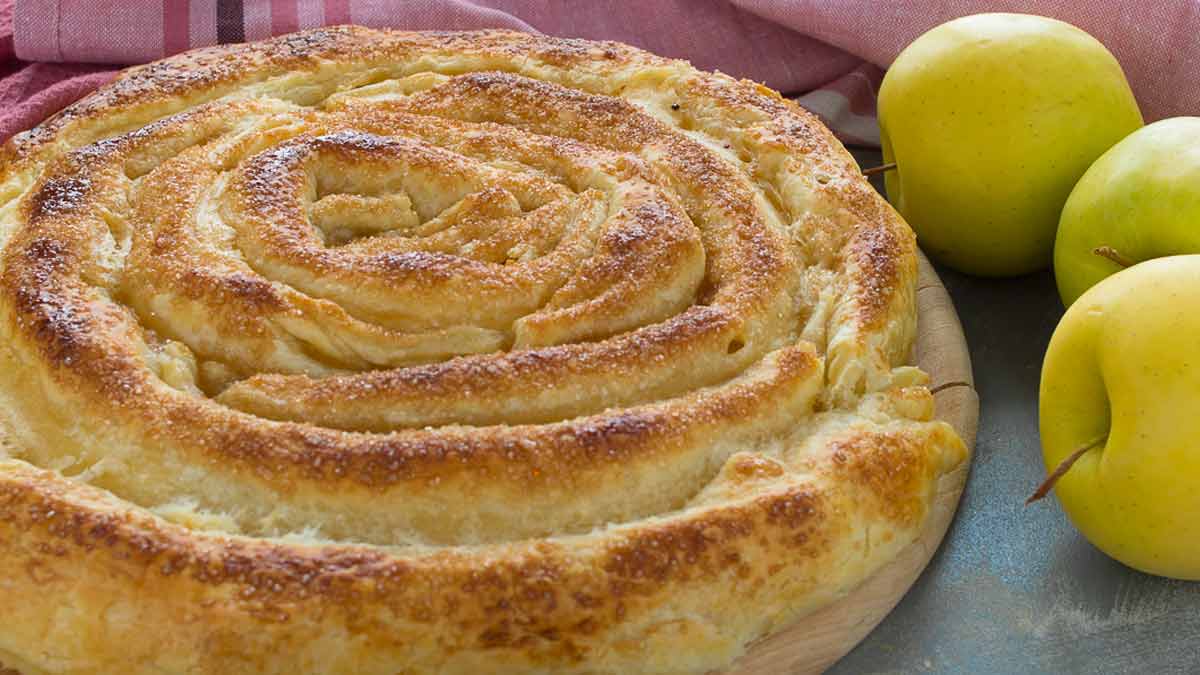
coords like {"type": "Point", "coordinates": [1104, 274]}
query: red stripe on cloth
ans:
{"type": "Point", "coordinates": [311, 13]}
{"type": "Point", "coordinates": [175, 26]}
{"type": "Point", "coordinates": [256, 17]}
{"type": "Point", "coordinates": [284, 17]}
{"type": "Point", "coordinates": [129, 31]}
{"type": "Point", "coordinates": [202, 23]}
{"type": "Point", "coordinates": [229, 22]}
{"type": "Point", "coordinates": [337, 11]}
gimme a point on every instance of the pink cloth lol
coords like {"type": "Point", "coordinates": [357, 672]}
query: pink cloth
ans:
{"type": "Point", "coordinates": [829, 52]}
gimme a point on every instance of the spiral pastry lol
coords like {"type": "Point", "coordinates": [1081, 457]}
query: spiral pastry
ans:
{"type": "Point", "coordinates": [378, 352]}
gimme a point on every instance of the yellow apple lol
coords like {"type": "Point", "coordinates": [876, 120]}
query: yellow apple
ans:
{"type": "Point", "coordinates": [991, 119]}
{"type": "Point", "coordinates": [1122, 375]}
{"type": "Point", "coordinates": [1141, 200]}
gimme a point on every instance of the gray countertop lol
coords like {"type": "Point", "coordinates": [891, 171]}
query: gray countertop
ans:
{"type": "Point", "coordinates": [1016, 589]}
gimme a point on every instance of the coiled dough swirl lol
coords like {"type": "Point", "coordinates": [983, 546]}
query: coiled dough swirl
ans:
{"type": "Point", "coordinates": [377, 352]}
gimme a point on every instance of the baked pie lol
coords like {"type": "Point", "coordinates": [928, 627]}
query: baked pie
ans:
{"type": "Point", "coordinates": [377, 352]}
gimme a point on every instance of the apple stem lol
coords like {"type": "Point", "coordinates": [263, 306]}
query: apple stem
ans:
{"type": "Point", "coordinates": [879, 169]}
{"type": "Point", "coordinates": [1113, 255]}
{"type": "Point", "coordinates": [1048, 484]}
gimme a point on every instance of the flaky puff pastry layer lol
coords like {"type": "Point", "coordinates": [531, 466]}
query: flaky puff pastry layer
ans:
{"type": "Point", "coordinates": [377, 352]}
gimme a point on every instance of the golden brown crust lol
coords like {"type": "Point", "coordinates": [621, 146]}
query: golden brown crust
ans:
{"type": "Point", "coordinates": [359, 351]}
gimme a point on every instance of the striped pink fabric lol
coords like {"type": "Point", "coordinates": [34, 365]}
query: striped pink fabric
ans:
{"type": "Point", "coordinates": [828, 52]}
{"type": "Point", "coordinates": [713, 34]}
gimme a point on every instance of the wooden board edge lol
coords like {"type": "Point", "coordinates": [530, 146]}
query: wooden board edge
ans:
{"type": "Point", "coordinates": [816, 641]}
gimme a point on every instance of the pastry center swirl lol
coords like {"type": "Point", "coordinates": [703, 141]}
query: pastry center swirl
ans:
{"type": "Point", "coordinates": [343, 314]}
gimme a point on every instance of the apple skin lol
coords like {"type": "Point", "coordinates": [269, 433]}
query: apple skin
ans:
{"type": "Point", "coordinates": [1142, 198]}
{"type": "Point", "coordinates": [1123, 362]}
{"type": "Point", "coordinates": [991, 120]}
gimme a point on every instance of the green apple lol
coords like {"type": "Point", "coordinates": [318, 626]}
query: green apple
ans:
{"type": "Point", "coordinates": [1121, 386]}
{"type": "Point", "coordinates": [991, 119]}
{"type": "Point", "coordinates": [1140, 200]}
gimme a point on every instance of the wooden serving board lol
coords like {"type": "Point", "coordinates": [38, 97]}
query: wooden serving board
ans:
{"type": "Point", "coordinates": [818, 640]}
